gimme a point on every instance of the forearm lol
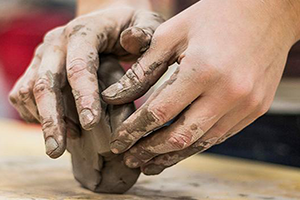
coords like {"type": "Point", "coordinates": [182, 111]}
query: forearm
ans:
{"type": "Point", "coordinates": [86, 6]}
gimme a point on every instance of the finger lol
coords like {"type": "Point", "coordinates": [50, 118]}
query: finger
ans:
{"type": "Point", "coordinates": [159, 163]}
{"type": "Point", "coordinates": [253, 108]}
{"type": "Point", "coordinates": [222, 128]}
{"type": "Point", "coordinates": [18, 103]}
{"type": "Point", "coordinates": [21, 96]}
{"type": "Point", "coordinates": [190, 126]}
{"type": "Point", "coordinates": [240, 126]}
{"type": "Point", "coordinates": [136, 39]}
{"type": "Point", "coordinates": [82, 66]}
{"type": "Point", "coordinates": [23, 112]}
{"type": "Point", "coordinates": [28, 101]}
{"type": "Point", "coordinates": [26, 89]}
{"type": "Point", "coordinates": [47, 92]}
{"type": "Point", "coordinates": [163, 105]}
{"type": "Point", "coordinates": [143, 74]}
{"type": "Point", "coordinates": [110, 72]}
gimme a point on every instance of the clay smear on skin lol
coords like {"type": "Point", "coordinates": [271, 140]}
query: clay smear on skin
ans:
{"type": "Point", "coordinates": [225, 137]}
{"type": "Point", "coordinates": [55, 128]}
{"type": "Point", "coordinates": [130, 84]}
{"type": "Point", "coordinates": [111, 173]}
{"type": "Point", "coordinates": [170, 159]}
{"type": "Point", "coordinates": [92, 66]}
{"type": "Point", "coordinates": [154, 144]}
{"type": "Point", "coordinates": [76, 29]}
{"type": "Point", "coordinates": [144, 120]}
{"type": "Point", "coordinates": [131, 130]}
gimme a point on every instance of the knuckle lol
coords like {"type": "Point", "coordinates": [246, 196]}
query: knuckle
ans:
{"type": "Point", "coordinates": [238, 90]}
{"type": "Point", "coordinates": [143, 154]}
{"type": "Point", "coordinates": [226, 136]}
{"type": "Point", "coordinates": [160, 33]}
{"type": "Point", "coordinates": [254, 101]}
{"type": "Point", "coordinates": [24, 93]}
{"type": "Point", "coordinates": [160, 115]}
{"type": "Point", "coordinates": [203, 72]}
{"type": "Point", "coordinates": [46, 125]}
{"type": "Point", "coordinates": [69, 27]}
{"type": "Point", "coordinates": [75, 22]}
{"type": "Point", "coordinates": [38, 50]}
{"type": "Point", "coordinates": [53, 35]}
{"type": "Point", "coordinates": [158, 18]}
{"type": "Point", "coordinates": [163, 30]}
{"type": "Point", "coordinates": [13, 98]}
{"type": "Point", "coordinates": [42, 84]}
{"type": "Point", "coordinates": [202, 145]}
{"type": "Point", "coordinates": [78, 26]}
{"type": "Point", "coordinates": [76, 67]}
{"type": "Point", "coordinates": [180, 140]}
{"type": "Point", "coordinates": [210, 73]}
{"type": "Point", "coordinates": [132, 74]}
{"type": "Point", "coordinates": [222, 139]}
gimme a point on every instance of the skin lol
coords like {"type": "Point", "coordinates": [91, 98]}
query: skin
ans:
{"type": "Point", "coordinates": [95, 167]}
{"type": "Point", "coordinates": [231, 58]}
{"type": "Point", "coordinates": [70, 54]}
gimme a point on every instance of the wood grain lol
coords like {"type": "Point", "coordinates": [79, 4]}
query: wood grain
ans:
{"type": "Point", "coordinates": [27, 173]}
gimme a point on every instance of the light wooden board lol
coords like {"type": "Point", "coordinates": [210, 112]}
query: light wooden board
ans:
{"type": "Point", "coordinates": [27, 173]}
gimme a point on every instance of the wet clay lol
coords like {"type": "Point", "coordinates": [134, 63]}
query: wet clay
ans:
{"type": "Point", "coordinates": [95, 167]}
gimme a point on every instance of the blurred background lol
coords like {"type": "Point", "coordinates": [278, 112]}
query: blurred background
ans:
{"type": "Point", "coordinates": [22, 27]}
{"type": "Point", "coordinates": [274, 137]}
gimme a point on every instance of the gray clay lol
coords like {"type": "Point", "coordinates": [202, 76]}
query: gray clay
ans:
{"type": "Point", "coordinates": [94, 166]}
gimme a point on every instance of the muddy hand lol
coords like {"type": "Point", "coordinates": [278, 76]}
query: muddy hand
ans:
{"type": "Point", "coordinates": [70, 54]}
{"type": "Point", "coordinates": [231, 59]}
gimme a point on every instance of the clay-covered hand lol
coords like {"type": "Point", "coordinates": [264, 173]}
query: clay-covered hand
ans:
{"type": "Point", "coordinates": [70, 53]}
{"type": "Point", "coordinates": [231, 56]}
{"type": "Point", "coordinates": [95, 167]}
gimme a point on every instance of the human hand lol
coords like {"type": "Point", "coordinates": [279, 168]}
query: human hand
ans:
{"type": "Point", "coordinates": [231, 56]}
{"type": "Point", "coordinates": [70, 53]}
{"type": "Point", "coordinates": [94, 166]}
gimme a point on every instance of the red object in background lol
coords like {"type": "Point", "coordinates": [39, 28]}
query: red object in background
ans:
{"type": "Point", "coordinates": [18, 40]}
{"type": "Point", "coordinates": [22, 36]}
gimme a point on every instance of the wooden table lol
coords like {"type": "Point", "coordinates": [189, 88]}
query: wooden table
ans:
{"type": "Point", "coordinates": [27, 173]}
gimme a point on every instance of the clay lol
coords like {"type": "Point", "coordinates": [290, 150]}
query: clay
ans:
{"type": "Point", "coordinates": [95, 167]}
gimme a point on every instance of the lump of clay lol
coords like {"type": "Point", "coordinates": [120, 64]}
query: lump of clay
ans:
{"type": "Point", "coordinates": [95, 167]}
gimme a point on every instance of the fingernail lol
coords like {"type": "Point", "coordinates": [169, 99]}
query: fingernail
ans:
{"type": "Point", "coordinates": [153, 169]}
{"type": "Point", "coordinates": [132, 161]}
{"type": "Point", "coordinates": [112, 90]}
{"type": "Point", "coordinates": [86, 118]}
{"type": "Point", "coordinates": [118, 147]}
{"type": "Point", "coordinates": [51, 146]}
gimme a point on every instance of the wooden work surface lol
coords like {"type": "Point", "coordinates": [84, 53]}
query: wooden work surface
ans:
{"type": "Point", "coordinates": [27, 173]}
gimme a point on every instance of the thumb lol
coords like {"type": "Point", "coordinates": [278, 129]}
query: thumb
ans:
{"type": "Point", "coordinates": [136, 39]}
{"type": "Point", "coordinates": [143, 74]}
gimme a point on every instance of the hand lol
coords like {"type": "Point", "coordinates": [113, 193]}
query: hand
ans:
{"type": "Point", "coordinates": [70, 53]}
{"type": "Point", "coordinates": [231, 56]}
